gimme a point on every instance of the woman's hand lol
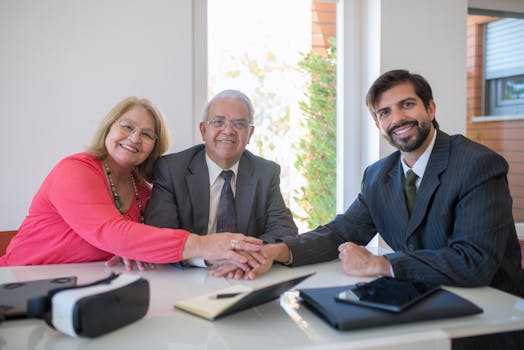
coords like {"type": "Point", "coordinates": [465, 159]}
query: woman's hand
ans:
{"type": "Point", "coordinates": [129, 264]}
{"type": "Point", "coordinates": [224, 247]}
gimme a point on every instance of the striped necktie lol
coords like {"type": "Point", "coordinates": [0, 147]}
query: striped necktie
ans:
{"type": "Point", "coordinates": [410, 189]}
{"type": "Point", "coordinates": [226, 212]}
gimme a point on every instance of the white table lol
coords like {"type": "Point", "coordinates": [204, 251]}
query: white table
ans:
{"type": "Point", "coordinates": [282, 324]}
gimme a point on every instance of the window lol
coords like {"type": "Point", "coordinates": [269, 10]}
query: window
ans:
{"type": "Point", "coordinates": [495, 106]}
{"type": "Point", "coordinates": [278, 53]}
{"type": "Point", "coordinates": [505, 95]}
{"type": "Point", "coordinates": [504, 67]}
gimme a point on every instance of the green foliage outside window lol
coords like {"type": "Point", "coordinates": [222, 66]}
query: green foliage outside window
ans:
{"type": "Point", "coordinates": [316, 152]}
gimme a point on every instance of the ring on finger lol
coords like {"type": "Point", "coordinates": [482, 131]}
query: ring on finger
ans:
{"type": "Point", "coordinates": [234, 244]}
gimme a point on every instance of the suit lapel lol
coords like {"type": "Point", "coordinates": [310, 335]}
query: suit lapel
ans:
{"type": "Point", "coordinates": [438, 162]}
{"type": "Point", "coordinates": [198, 184]}
{"type": "Point", "coordinates": [245, 193]}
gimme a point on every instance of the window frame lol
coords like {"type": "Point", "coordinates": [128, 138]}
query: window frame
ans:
{"type": "Point", "coordinates": [496, 104]}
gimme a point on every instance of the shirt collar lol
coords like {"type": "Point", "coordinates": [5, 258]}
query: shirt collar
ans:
{"type": "Point", "coordinates": [214, 170]}
{"type": "Point", "coordinates": [420, 165]}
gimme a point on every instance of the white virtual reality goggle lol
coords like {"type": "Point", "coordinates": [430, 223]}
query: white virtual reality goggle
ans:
{"type": "Point", "coordinates": [96, 308]}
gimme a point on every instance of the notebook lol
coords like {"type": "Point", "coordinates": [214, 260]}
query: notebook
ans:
{"type": "Point", "coordinates": [223, 302]}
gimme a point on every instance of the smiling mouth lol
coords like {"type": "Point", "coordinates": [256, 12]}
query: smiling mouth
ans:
{"type": "Point", "coordinates": [129, 148]}
{"type": "Point", "coordinates": [227, 142]}
{"type": "Point", "coordinates": [402, 129]}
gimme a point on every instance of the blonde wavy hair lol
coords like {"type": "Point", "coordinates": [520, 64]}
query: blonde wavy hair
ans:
{"type": "Point", "coordinates": [143, 171]}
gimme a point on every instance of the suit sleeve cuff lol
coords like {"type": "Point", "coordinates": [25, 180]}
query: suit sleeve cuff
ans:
{"type": "Point", "coordinates": [290, 261]}
{"type": "Point", "coordinates": [196, 262]}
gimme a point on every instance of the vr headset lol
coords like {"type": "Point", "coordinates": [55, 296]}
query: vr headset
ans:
{"type": "Point", "coordinates": [93, 309]}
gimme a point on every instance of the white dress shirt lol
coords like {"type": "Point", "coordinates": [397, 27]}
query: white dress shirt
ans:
{"type": "Point", "coordinates": [215, 188]}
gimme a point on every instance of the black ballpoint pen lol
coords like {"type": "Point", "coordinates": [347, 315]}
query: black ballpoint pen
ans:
{"type": "Point", "coordinates": [225, 295]}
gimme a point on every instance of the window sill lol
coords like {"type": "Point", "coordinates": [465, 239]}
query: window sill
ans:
{"type": "Point", "coordinates": [496, 118]}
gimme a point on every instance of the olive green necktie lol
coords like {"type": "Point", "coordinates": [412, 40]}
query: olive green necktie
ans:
{"type": "Point", "coordinates": [410, 189]}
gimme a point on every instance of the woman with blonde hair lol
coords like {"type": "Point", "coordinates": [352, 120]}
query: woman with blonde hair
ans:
{"type": "Point", "coordinates": [90, 206]}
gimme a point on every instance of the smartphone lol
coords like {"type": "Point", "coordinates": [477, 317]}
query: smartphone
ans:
{"type": "Point", "coordinates": [387, 293]}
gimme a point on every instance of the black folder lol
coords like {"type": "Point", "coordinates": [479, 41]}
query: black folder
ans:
{"type": "Point", "coordinates": [342, 316]}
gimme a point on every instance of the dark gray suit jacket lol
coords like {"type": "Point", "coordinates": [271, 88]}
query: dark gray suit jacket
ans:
{"type": "Point", "coordinates": [461, 232]}
{"type": "Point", "coordinates": [180, 197]}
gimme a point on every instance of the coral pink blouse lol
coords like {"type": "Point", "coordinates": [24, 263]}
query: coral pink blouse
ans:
{"type": "Point", "coordinates": [73, 218]}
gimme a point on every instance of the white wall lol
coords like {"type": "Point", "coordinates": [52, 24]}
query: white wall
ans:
{"type": "Point", "coordinates": [65, 63]}
{"type": "Point", "coordinates": [429, 37]}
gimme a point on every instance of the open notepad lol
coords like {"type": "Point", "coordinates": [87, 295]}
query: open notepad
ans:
{"type": "Point", "coordinates": [235, 298]}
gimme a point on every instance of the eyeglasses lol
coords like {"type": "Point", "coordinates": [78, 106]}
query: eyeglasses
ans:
{"type": "Point", "coordinates": [220, 124]}
{"type": "Point", "coordinates": [128, 128]}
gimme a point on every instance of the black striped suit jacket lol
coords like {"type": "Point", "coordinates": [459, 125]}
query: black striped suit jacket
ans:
{"type": "Point", "coordinates": [461, 231]}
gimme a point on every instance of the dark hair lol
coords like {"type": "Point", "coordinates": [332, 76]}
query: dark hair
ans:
{"type": "Point", "coordinates": [394, 77]}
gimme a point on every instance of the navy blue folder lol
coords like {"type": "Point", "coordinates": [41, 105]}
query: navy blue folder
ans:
{"type": "Point", "coordinates": [343, 316]}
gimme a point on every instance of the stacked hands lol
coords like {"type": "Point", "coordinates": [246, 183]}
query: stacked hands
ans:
{"type": "Point", "coordinates": [356, 261]}
{"type": "Point", "coordinates": [255, 262]}
{"type": "Point", "coordinates": [231, 255]}
{"type": "Point", "coordinates": [236, 256]}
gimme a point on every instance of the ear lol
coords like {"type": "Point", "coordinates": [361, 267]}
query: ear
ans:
{"type": "Point", "coordinates": [432, 109]}
{"type": "Point", "coordinates": [202, 128]}
{"type": "Point", "coordinates": [251, 131]}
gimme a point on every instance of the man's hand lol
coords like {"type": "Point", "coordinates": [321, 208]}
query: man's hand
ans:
{"type": "Point", "coordinates": [273, 252]}
{"type": "Point", "coordinates": [358, 261]}
{"type": "Point", "coordinates": [254, 259]}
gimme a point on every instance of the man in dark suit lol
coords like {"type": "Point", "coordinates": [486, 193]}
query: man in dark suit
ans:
{"type": "Point", "coordinates": [460, 229]}
{"type": "Point", "coordinates": [187, 185]}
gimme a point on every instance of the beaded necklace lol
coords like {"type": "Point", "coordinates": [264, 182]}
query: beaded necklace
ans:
{"type": "Point", "coordinates": [116, 197]}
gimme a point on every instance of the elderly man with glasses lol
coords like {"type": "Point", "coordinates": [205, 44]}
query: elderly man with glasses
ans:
{"type": "Point", "coordinates": [219, 186]}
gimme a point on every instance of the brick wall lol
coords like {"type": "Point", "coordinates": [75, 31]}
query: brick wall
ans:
{"type": "Point", "coordinates": [504, 137]}
{"type": "Point", "coordinates": [323, 24]}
